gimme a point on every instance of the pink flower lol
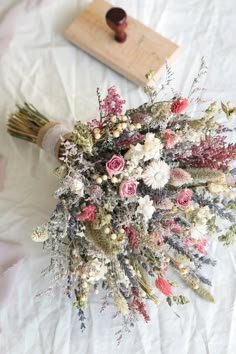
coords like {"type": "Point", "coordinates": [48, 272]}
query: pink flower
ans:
{"type": "Point", "coordinates": [131, 233]}
{"type": "Point", "coordinates": [178, 177]}
{"type": "Point", "coordinates": [163, 204]}
{"type": "Point", "coordinates": [177, 228]}
{"type": "Point", "coordinates": [174, 227]}
{"type": "Point", "coordinates": [179, 105]}
{"type": "Point", "coordinates": [88, 213]}
{"type": "Point", "coordinates": [115, 165]}
{"type": "Point", "coordinates": [189, 242]}
{"type": "Point", "coordinates": [201, 246]}
{"type": "Point", "coordinates": [184, 197]}
{"type": "Point", "coordinates": [112, 104]}
{"type": "Point", "coordinates": [171, 139]}
{"type": "Point", "coordinates": [95, 191]}
{"type": "Point", "coordinates": [163, 286]}
{"type": "Point", "coordinates": [128, 188]}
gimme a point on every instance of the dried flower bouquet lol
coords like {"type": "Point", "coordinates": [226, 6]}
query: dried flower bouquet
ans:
{"type": "Point", "coordinates": [140, 193]}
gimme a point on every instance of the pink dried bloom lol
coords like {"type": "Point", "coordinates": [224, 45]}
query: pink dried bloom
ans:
{"type": "Point", "coordinates": [178, 177]}
{"type": "Point", "coordinates": [112, 103]}
{"type": "Point", "coordinates": [95, 191]}
{"type": "Point", "coordinates": [179, 105]}
{"type": "Point", "coordinates": [95, 123]}
{"type": "Point", "coordinates": [128, 188]}
{"type": "Point", "coordinates": [188, 242]}
{"type": "Point", "coordinates": [213, 153]}
{"type": "Point", "coordinates": [131, 233]}
{"type": "Point", "coordinates": [201, 246]}
{"type": "Point", "coordinates": [132, 140]}
{"type": "Point", "coordinates": [171, 139]}
{"type": "Point", "coordinates": [177, 228]}
{"type": "Point", "coordinates": [115, 165]}
{"type": "Point", "coordinates": [184, 197]}
{"type": "Point", "coordinates": [174, 227]}
{"type": "Point", "coordinates": [141, 308]}
{"type": "Point", "coordinates": [88, 214]}
{"type": "Point", "coordinates": [163, 204]}
{"type": "Point", "coordinates": [141, 118]}
{"type": "Point", "coordinates": [157, 237]}
{"type": "Point", "coordinates": [163, 286]}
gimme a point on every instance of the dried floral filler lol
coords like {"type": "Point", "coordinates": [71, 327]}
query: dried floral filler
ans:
{"type": "Point", "coordinates": [140, 192]}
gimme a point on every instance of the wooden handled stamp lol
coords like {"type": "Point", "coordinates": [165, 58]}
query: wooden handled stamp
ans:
{"type": "Point", "coordinates": [136, 49]}
{"type": "Point", "coordinates": [117, 20]}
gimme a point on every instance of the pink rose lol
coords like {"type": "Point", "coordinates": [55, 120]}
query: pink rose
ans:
{"type": "Point", "coordinates": [184, 197]}
{"type": "Point", "coordinates": [174, 227]}
{"type": "Point", "coordinates": [128, 188]}
{"type": "Point", "coordinates": [179, 105]}
{"type": "Point", "coordinates": [88, 213]}
{"type": "Point", "coordinates": [115, 165]}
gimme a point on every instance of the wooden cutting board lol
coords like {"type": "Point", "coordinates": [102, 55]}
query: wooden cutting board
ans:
{"type": "Point", "coordinates": [144, 49]}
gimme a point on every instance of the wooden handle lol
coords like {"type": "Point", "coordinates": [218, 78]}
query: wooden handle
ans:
{"type": "Point", "coordinates": [116, 19]}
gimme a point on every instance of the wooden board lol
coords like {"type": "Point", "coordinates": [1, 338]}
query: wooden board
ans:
{"type": "Point", "coordinates": [144, 49]}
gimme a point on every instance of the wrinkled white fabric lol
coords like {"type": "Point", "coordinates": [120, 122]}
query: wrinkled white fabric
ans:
{"type": "Point", "coordinates": [10, 254]}
{"type": "Point", "coordinates": [39, 66]}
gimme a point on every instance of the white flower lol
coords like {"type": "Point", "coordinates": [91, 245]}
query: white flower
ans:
{"type": "Point", "coordinates": [77, 187]}
{"type": "Point", "coordinates": [135, 153]}
{"type": "Point", "coordinates": [156, 174]}
{"type": "Point", "coordinates": [146, 207]}
{"type": "Point", "coordinates": [40, 234]}
{"type": "Point", "coordinates": [152, 147]}
{"type": "Point", "coordinates": [204, 214]}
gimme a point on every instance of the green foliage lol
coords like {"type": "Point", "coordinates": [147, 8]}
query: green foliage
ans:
{"type": "Point", "coordinates": [82, 137]}
{"type": "Point", "coordinates": [229, 237]}
{"type": "Point", "coordinates": [150, 74]}
{"type": "Point", "coordinates": [204, 175]}
{"type": "Point", "coordinates": [193, 283]}
{"type": "Point", "coordinates": [231, 205]}
{"type": "Point", "coordinates": [102, 219]}
{"type": "Point", "coordinates": [229, 112]}
{"type": "Point", "coordinates": [211, 225]}
{"type": "Point", "coordinates": [224, 108]}
{"type": "Point", "coordinates": [120, 302]}
{"type": "Point", "coordinates": [177, 299]}
{"type": "Point", "coordinates": [103, 242]}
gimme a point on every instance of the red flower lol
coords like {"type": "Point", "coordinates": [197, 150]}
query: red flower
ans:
{"type": "Point", "coordinates": [178, 106]}
{"type": "Point", "coordinates": [184, 197]}
{"type": "Point", "coordinates": [115, 165]}
{"type": "Point", "coordinates": [163, 286]}
{"type": "Point", "coordinates": [131, 233]}
{"type": "Point", "coordinates": [140, 307]}
{"type": "Point", "coordinates": [88, 213]}
{"type": "Point", "coordinates": [213, 153]}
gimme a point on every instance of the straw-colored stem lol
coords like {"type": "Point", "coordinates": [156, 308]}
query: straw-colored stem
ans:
{"type": "Point", "coordinates": [26, 123]}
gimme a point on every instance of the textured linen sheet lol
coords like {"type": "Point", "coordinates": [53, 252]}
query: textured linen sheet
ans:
{"type": "Point", "coordinates": [39, 66]}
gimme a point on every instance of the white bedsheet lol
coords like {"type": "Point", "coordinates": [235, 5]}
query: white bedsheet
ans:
{"type": "Point", "coordinates": [38, 65]}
